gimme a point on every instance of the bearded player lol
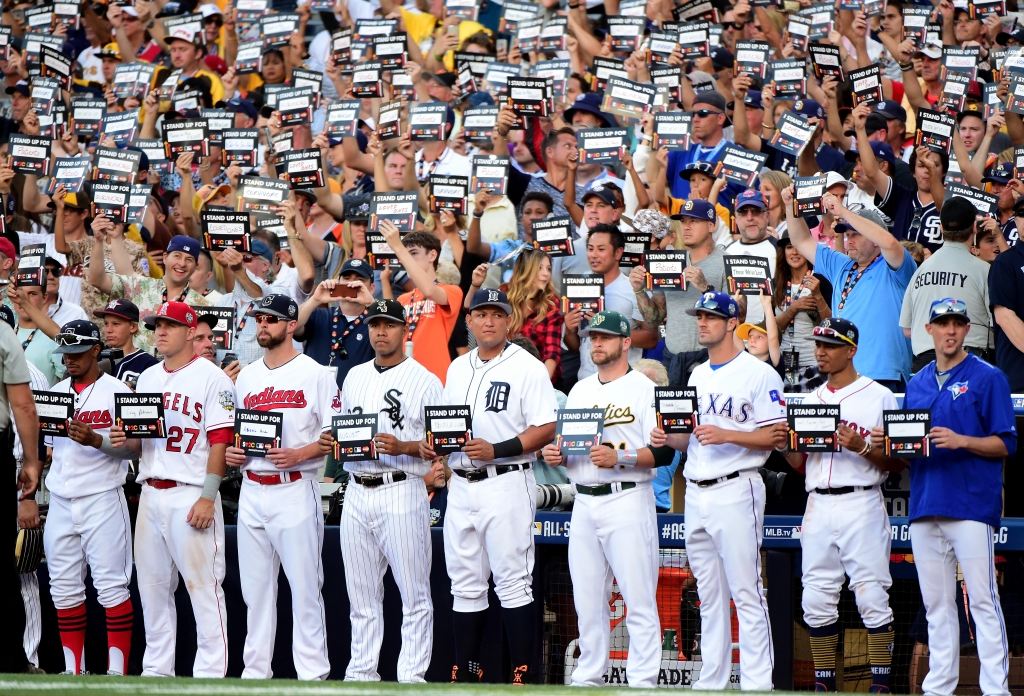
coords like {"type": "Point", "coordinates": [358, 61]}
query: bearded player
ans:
{"type": "Point", "coordinates": [614, 530]}
{"type": "Point", "coordinates": [280, 517]}
{"type": "Point", "coordinates": [180, 526]}
{"type": "Point", "coordinates": [845, 527]}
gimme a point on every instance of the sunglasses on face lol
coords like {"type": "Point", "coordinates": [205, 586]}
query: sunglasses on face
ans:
{"type": "Point", "coordinates": [55, 271]}
{"type": "Point", "coordinates": [704, 113]}
{"type": "Point", "coordinates": [267, 319]}
{"type": "Point", "coordinates": [69, 339]}
{"type": "Point", "coordinates": [828, 332]}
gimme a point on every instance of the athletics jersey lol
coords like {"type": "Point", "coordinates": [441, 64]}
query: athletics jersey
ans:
{"type": "Point", "coordinates": [743, 394]}
{"type": "Point", "coordinates": [198, 399]}
{"type": "Point", "coordinates": [860, 407]}
{"type": "Point", "coordinates": [303, 392]}
{"type": "Point", "coordinates": [506, 395]}
{"type": "Point", "coordinates": [78, 470]}
{"type": "Point", "coordinates": [628, 405]}
{"type": "Point", "coordinates": [397, 395]}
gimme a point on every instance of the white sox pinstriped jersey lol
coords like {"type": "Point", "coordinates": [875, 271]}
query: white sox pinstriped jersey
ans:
{"type": "Point", "coordinates": [860, 407]}
{"type": "Point", "coordinates": [506, 395]}
{"type": "Point", "coordinates": [743, 394]}
{"type": "Point", "coordinates": [628, 405]}
{"type": "Point", "coordinates": [302, 391]}
{"type": "Point", "coordinates": [198, 398]}
{"type": "Point", "coordinates": [79, 470]}
{"type": "Point", "coordinates": [397, 395]}
{"type": "Point", "coordinates": [36, 382]}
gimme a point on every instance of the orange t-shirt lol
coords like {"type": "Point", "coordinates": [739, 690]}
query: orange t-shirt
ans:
{"type": "Point", "coordinates": [432, 325]}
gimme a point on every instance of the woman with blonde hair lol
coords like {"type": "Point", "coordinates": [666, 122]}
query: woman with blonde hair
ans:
{"type": "Point", "coordinates": [535, 311]}
{"type": "Point", "coordinates": [772, 184]}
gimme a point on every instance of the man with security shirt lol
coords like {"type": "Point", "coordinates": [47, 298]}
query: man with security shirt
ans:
{"type": "Point", "coordinates": [956, 497]}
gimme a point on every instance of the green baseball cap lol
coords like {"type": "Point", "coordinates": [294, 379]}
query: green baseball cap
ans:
{"type": "Point", "coordinates": [607, 322]}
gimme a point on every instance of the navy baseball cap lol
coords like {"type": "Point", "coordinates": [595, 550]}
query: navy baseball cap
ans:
{"type": "Point", "coordinates": [357, 266]}
{"type": "Point", "coordinates": [891, 109]}
{"type": "Point", "coordinates": [717, 303]}
{"type": "Point", "coordinates": [872, 124]}
{"type": "Point", "coordinates": [490, 298]}
{"type": "Point", "coordinates": [276, 305]}
{"type": "Point", "coordinates": [240, 106]}
{"type": "Point", "coordinates": [722, 58]}
{"type": "Point", "coordinates": [753, 100]}
{"type": "Point", "coordinates": [261, 249]}
{"type": "Point", "coordinates": [77, 336]}
{"type": "Point", "coordinates": [357, 208]}
{"type": "Point", "coordinates": [835, 331]}
{"type": "Point", "coordinates": [808, 108]}
{"type": "Point", "coordinates": [700, 210]}
{"type": "Point", "coordinates": [948, 307]}
{"type": "Point", "coordinates": [605, 194]}
{"type": "Point", "coordinates": [125, 309]}
{"type": "Point", "coordinates": [21, 87]}
{"type": "Point", "coordinates": [7, 314]}
{"type": "Point", "coordinates": [180, 242]}
{"type": "Point", "coordinates": [1001, 174]}
{"type": "Point", "coordinates": [589, 103]}
{"type": "Point", "coordinates": [607, 322]}
{"type": "Point", "coordinates": [750, 198]}
{"type": "Point", "coordinates": [386, 309]}
{"type": "Point", "coordinates": [882, 151]}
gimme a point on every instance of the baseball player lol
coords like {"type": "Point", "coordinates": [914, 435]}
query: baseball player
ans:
{"type": "Point", "coordinates": [489, 522]}
{"type": "Point", "coordinates": [180, 525]}
{"type": "Point", "coordinates": [88, 519]}
{"type": "Point", "coordinates": [385, 519]}
{"type": "Point", "coordinates": [956, 498]}
{"type": "Point", "coordinates": [280, 517]}
{"type": "Point", "coordinates": [845, 527]}
{"type": "Point", "coordinates": [614, 528]}
{"type": "Point", "coordinates": [739, 398]}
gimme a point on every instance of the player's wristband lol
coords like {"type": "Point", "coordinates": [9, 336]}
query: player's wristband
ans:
{"type": "Point", "coordinates": [109, 450]}
{"type": "Point", "coordinates": [866, 449]}
{"type": "Point", "coordinates": [211, 487]}
{"type": "Point", "coordinates": [509, 448]}
{"type": "Point", "coordinates": [626, 457]}
{"type": "Point", "coordinates": [784, 452]}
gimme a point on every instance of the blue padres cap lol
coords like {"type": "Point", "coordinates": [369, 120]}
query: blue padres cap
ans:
{"type": "Point", "coordinates": [180, 242]}
{"type": "Point", "coordinates": [717, 303]}
{"type": "Point", "coordinates": [808, 108]}
{"type": "Point", "coordinates": [700, 210]}
{"type": "Point", "coordinates": [948, 307]}
{"type": "Point", "coordinates": [1001, 174]}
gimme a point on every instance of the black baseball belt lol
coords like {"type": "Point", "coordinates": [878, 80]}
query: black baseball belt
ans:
{"type": "Point", "coordinates": [711, 482]}
{"type": "Point", "coordinates": [843, 490]}
{"type": "Point", "coordinates": [375, 481]}
{"type": "Point", "coordinates": [605, 488]}
{"type": "Point", "coordinates": [474, 475]}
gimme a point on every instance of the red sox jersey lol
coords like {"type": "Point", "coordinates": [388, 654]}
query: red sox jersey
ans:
{"type": "Point", "coordinates": [302, 391]}
{"type": "Point", "coordinates": [79, 470]}
{"type": "Point", "coordinates": [198, 399]}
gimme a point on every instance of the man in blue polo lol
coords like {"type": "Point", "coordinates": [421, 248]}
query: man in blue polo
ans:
{"type": "Point", "coordinates": [956, 498]}
{"type": "Point", "coordinates": [709, 120]}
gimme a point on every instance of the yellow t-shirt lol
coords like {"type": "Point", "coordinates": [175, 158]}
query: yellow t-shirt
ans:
{"type": "Point", "coordinates": [418, 25]}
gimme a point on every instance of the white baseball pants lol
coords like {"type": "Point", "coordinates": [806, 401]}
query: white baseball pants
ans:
{"type": "Point", "coordinates": [616, 536]}
{"type": "Point", "coordinates": [488, 529]}
{"type": "Point", "coordinates": [33, 616]}
{"type": "Point", "coordinates": [283, 525]}
{"type": "Point", "coordinates": [165, 545]}
{"type": "Point", "coordinates": [846, 535]}
{"type": "Point", "coordinates": [938, 543]}
{"type": "Point", "coordinates": [724, 524]}
{"type": "Point", "coordinates": [388, 525]}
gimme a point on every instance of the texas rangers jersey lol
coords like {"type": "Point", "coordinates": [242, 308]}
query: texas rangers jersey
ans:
{"type": "Point", "coordinates": [628, 404]}
{"type": "Point", "coordinates": [198, 399]}
{"type": "Point", "coordinates": [743, 394]}
{"type": "Point", "coordinates": [302, 391]}
{"type": "Point", "coordinates": [397, 395]}
{"type": "Point", "coordinates": [506, 395]}
{"type": "Point", "coordinates": [79, 470]}
{"type": "Point", "coordinates": [860, 408]}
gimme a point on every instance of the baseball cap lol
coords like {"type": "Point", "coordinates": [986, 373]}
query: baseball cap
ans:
{"type": "Point", "coordinates": [21, 87]}
{"type": "Point", "coordinates": [750, 197]}
{"type": "Point", "coordinates": [872, 214]}
{"type": "Point", "coordinates": [78, 201]}
{"type": "Point", "coordinates": [386, 309]}
{"type": "Point", "coordinates": [177, 312]}
{"type": "Point", "coordinates": [7, 248]}
{"type": "Point", "coordinates": [357, 266]}
{"type": "Point", "coordinates": [357, 208]}
{"type": "Point", "coordinates": [891, 109]}
{"type": "Point", "coordinates": [210, 320]}
{"type": "Point", "coordinates": [490, 298]}
{"type": "Point", "coordinates": [707, 168]}
{"type": "Point", "coordinates": [948, 307]}
{"type": "Point", "coordinates": [933, 51]}
{"type": "Point", "coordinates": [717, 303]}
{"type": "Point", "coordinates": [607, 322]}
{"type": "Point", "coordinates": [957, 214]}
{"type": "Point", "coordinates": [589, 103]}
{"type": "Point", "coordinates": [837, 332]}
{"type": "Point", "coordinates": [77, 336]}
{"type": "Point", "coordinates": [882, 151]}
{"type": "Point", "coordinates": [722, 58]}
{"type": "Point", "coordinates": [7, 315]}
{"type": "Point", "coordinates": [1003, 38]}
{"type": "Point", "coordinates": [180, 242]}
{"type": "Point", "coordinates": [713, 99]}
{"type": "Point", "coordinates": [753, 100]}
{"type": "Point", "coordinates": [276, 305]}
{"type": "Point", "coordinates": [1018, 207]}
{"type": "Point", "coordinates": [261, 249]}
{"type": "Point", "coordinates": [834, 178]}
{"type": "Point", "coordinates": [974, 90]}
{"type": "Point", "coordinates": [181, 33]}
{"type": "Point", "coordinates": [445, 79]}
{"type": "Point", "coordinates": [1001, 173]}
{"type": "Point", "coordinates": [240, 106]}
{"type": "Point", "coordinates": [206, 193]}
{"type": "Point", "coordinates": [649, 222]}
{"type": "Point", "coordinates": [307, 193]}
{"type": "Point", "coordinates": [605, 194]}
{"type": "Point", "coordinates": [125, 309]}
{"type": "Point", "coordinates": [700, 210]}
{"type": "Point", "coordinates": [743, 330]}
{"type": "Point", "coordinates": [976, 110]}
{"type": "Point", "coordinates": [872, 124]}
{"type": "Point", "coordinates": [209, 10]}
{"type": "Point", "coordinates": [111, 50]}
{"type": "Point", "coordinates": [808, 108]}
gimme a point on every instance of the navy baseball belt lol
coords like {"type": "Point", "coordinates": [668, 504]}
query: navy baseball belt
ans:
{"type": "Point", "coordinates": [843, 490]}
{"type": "Point", "coordinates": [711, 482]}
{"type": "Point", "coordinates": [474, 475]}
{"type": "Point", "coordinates": [376, 481]}
{"type": "Point", "coordinates": [604, 488]}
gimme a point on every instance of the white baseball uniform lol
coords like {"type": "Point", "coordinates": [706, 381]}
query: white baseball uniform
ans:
{"type": "Point", "coordinates": [88, 519]}
{"type": "Point", "coordinates": [198, 400]}
{"type": "Point", "coordinates": [616, 535]}
{"type": "Point", "coordinates": [847, 534]}
{"type": "Point", "coordinates": [389, 523]}
{"type": "Point", "coordinates": [725, 519]}
{"type": "Point", "coordinates": [282, 523]}
{"type": "Point", "coordinates": [488, 527]}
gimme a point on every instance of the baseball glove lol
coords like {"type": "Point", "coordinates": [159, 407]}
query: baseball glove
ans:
{"type": "Point", "coordinates": [28, 552]}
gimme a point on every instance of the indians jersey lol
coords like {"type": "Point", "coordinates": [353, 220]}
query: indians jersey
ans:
{"type": "Point", "coordinates": [506, 395]}
{"type": "Point", "coordinates": [743, 394]}
{"type": "Point", "coordinates": [79, 470]}
{"type": "Point", "coordinates": [198, 399]}
{"type": "Point", "coordinates": [628, 405]}
{"type": "Point", "coordinates": [860, 407]}
{"type": "Point", "coordinates": [302, 391]}
{"type": "Point", "coordinates": [397, 396]}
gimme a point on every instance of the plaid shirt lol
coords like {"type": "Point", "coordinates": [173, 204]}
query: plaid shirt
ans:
{"type": "Point", "coordinates": [546, 334]}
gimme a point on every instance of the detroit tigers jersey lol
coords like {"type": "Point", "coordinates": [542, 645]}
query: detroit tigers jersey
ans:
{"type": "Point", "coordinates": [628, 404]}
{"type": "Point", "coordinates": [860, 407]}
{"type": "Point", "coordinates": [302, 391]}
{"type": "Point", "coordinates": [397, 395]}
{"type": "Point", "coordinates": [743, 394]}
{"type": "Point", "coordinates": [198, 398]}
{"type": "Point", "coordinates": [79, 470]}
{"type": "Point", "coordinates": [506, 395]}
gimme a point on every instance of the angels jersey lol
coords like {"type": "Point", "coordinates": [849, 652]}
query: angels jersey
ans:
{"type": "Point", "coordinates": [860, 407]}
{"type": "Point", "coordinates": [743, 394]}
{"type": "Point", "coordinates": [79, 470]}
{"type": "Point", "coordinates": [198, 399]}
{"type": "Point", "coordinates": [506, 395]}
{"type": "Point", "coordinates": [628, 405]}
{"type": "Point", "coordinates": [397, 395]}
{"type": "Point", "coordinates": [302, 391]}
